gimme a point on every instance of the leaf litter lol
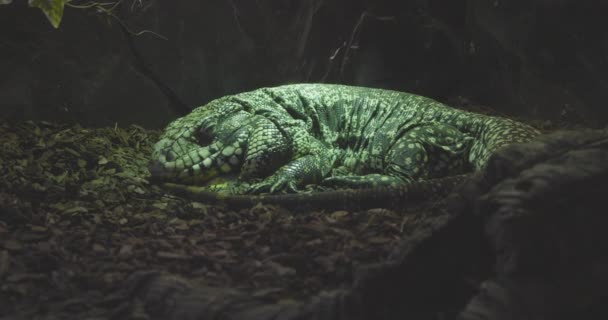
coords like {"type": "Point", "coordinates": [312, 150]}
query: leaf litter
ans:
{"type": "Point", "coordinates": [78, 215]}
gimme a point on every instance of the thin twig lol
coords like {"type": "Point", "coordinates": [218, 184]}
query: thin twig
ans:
{"type": "Point", "coordinates": [88, 5]}
{"type": "Point", "coordinates": [235, 13]}
{"type": "Point", "coordinates": [110, 12]}
{"type": "Point", "coordinates": [355, 33]}
{"type": "Point", "coordinates": [332, 59]}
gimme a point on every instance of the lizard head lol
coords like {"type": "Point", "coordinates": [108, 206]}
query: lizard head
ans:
{"type": "Point", "coordinates": [204, 145]}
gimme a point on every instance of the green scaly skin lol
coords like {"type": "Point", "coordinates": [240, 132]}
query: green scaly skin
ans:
{"type": "Point", "coordinates": [384, 144]}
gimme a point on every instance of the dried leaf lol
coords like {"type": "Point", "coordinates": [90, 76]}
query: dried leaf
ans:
{"type": "Point", "coordinates": [72, 151]}
{"type": "Point", "coordinates": [12, 245]}
{"type": "Point", "coordinates": [172, 255]}
{"type": "Point", "coordinates": [379, 240]}
{"type": "Point", "coordinates": [179, 224]}
{"type": "Point", "coordinates": [126, 250]}
{"type": "Point", "coordinates": [76, 210]}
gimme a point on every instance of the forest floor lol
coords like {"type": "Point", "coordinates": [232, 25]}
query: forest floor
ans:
{"type": "Point", "coordinates": [78, 216]}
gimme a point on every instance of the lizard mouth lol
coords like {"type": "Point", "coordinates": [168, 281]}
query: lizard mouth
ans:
{"type": "Point", "coordinates": [203, 166]}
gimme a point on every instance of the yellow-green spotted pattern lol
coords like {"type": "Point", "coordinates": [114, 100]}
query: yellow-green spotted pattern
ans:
{"type": "Point", "coordinates": [283, 138]}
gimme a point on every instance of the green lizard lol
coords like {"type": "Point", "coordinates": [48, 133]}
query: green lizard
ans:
{"type": "Point", "coordinates": [370, 146]}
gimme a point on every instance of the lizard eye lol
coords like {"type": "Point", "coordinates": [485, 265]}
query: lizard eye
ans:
{"type": "Point", "coordinates": [204, 137]}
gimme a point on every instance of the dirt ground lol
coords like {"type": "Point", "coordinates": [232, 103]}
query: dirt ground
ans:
{"type": "Point", "coordinates": [78, 216]}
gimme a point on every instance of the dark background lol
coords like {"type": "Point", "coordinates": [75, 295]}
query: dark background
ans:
{"type": "Point", "coordinates": [539, 59]}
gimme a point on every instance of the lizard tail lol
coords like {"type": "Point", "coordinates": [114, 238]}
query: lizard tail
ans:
{"type": "Point", "coordinates": [380, 197]}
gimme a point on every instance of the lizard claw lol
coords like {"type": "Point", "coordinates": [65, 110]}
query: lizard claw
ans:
{"type": "Point", "coordinates": [288, 186]}
{"type": "Point", "coordinates": [273, 186]}
{"type": "Point", "coordinates": [259, 187]}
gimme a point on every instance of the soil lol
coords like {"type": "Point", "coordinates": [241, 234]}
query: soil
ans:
{"type": "Point", "coordinates": [78, 216]}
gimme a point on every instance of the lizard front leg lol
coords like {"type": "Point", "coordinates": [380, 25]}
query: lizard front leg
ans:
{"type": "Point", "coordinates": [297, 173]}
{"type": "Point", "coordinates": [303, 160]}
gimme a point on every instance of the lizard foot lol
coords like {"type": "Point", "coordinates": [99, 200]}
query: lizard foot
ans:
{"type": "Point", "coordinates": [273, 185]}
